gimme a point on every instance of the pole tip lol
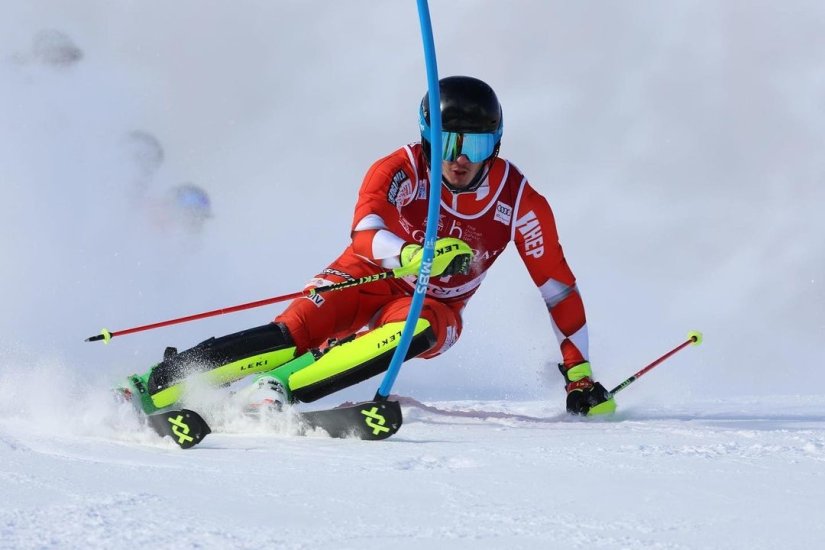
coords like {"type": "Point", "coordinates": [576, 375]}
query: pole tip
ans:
{"type": "Point", "coordinates": [695, 336]}
{"type": "Point", "coordinates": [104, 335]}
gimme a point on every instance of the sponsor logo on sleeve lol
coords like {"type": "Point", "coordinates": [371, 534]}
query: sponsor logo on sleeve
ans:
{"type": "Point", "coordinates": [331, 271]}
{"type": "Point", "coordinates": [504, 213]}
{"type": "Point", "coordinates": [316, 282]}
{"type": "Point", "coordinates": [422, 190]}
{"type": "Point", "coordinates": [530, 229]}
{"type": "Point", "coordinates": [316, 299]}
{"type": "Point", "coordinates": [400, 192]}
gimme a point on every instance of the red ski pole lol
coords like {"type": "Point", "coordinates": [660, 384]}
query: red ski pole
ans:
{"type": "Point", "coordinates": [107, 335]}
{"type": "Point", "coordinates": [694, 337]}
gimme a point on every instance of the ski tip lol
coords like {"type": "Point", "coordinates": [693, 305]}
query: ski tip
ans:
{"type": "Point", "coordinates": [695, 336]}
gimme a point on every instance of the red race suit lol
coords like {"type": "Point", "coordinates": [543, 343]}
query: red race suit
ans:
{"type": "Point", "coordinates": [392, 211]}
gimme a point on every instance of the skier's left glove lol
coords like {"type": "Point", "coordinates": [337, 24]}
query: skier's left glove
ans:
{"type": "Point", "coordinates": [452, 257]}
{"type": "Point", "coordinates": [584, 396]}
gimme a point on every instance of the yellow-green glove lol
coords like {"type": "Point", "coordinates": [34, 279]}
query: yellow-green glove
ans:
{"type": "Point", "coordinates": [452, 257]}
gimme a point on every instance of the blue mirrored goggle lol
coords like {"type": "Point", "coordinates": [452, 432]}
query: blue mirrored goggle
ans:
{"type": "Point", "coordinates": [476, 147]}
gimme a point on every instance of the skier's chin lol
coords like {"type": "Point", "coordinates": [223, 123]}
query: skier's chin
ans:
{"type": "Point", "coordinates": [460, 179]}
{"type": "Point", "coordinates": [457, 183]}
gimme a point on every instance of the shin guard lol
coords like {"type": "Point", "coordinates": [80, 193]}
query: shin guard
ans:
{"type": "Point", "coordinates": [220, 360]}
{"type": "Point", "coordinates": [355, 361]}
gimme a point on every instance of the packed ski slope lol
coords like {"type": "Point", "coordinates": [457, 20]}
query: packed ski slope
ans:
{"type": "Point", "coordinates": [735, 474]}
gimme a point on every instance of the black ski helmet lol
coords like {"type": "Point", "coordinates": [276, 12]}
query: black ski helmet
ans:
{"type": "Point", "coordinates": [468, 105]}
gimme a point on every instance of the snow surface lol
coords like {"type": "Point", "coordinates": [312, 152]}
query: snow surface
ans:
{"type": "Point", "coordinates": [680, 144]}
{"type": "Point", "coordinates": [739, 473]}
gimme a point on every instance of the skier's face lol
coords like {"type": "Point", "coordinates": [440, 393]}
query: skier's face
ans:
{"type": "Point", "coordinates": [461, 171]}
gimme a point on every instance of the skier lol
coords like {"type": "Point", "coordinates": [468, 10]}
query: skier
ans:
{"type": "Point", "coordinates": [326, 342]}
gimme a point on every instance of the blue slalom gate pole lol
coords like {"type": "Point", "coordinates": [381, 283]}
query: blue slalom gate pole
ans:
{"type": "Point", "coordinates": [433, 207]}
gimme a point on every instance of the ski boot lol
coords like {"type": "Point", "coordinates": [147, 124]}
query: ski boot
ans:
{"type": "Point", "coordinates": [135, 391]}
{"type": "Point", "coordinates": [267, 394]}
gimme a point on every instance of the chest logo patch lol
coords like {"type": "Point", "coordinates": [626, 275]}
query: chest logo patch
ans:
{"type": "Point", "coordinates": [504, 213]}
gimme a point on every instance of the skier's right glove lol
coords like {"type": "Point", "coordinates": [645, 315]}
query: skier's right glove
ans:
{"type": "Point", "coordinates": [452, 257]}
{"type": "Point", "coordinates": [584, 396]}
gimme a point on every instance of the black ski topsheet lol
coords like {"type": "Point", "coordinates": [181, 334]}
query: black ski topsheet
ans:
{"type": "Point", "coordinates": [185, 427]}
{"type": "Point", "coordinates": [370, 420]}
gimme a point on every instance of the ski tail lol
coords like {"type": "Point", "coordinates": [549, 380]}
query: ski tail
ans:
{"type": "Point", "coordinates": [370, 420]}
{"type": "Point", "coordinates": [186, 428]}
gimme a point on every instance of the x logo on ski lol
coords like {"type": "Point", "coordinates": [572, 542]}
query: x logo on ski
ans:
{"type": "Point", "coordinates": [178, 424]}
{"type": "Point", "coordinates": [375, 420]}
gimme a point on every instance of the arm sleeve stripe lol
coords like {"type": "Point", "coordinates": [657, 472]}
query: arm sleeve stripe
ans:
{"type": "Point", "coordinates": [554, 291]}
{"type": "Point", "coordinates": [410, 156]}
{"type": "Point", "coordinates": [516, 208]}
{"type": "Point", "coordinates": [370, 221]}
{"type": "Point", "coordinates": [386, 244]}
